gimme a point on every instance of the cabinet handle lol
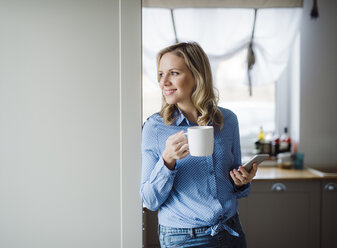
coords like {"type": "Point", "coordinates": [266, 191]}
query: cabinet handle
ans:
{"type": "Point", "coordinates": [278, 187]}
{"type": "Point", "coordinates": [330, 187]}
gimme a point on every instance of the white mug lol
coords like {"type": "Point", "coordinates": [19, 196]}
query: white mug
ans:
{"type": "Point", "coordinates": [200, 140]}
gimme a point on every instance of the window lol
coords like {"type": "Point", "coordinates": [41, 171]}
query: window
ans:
{"type": "Point", "coordinates": [253, 112]}
{"type": "Point", "coordinates": [224, 34]}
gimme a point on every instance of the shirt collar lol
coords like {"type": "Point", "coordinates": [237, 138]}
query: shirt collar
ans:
{"type": "Point", "coordinates": [181, 119]}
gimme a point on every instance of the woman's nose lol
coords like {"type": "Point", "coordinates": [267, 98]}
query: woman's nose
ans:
{"type": "Point", "coordinates": [165, 80]}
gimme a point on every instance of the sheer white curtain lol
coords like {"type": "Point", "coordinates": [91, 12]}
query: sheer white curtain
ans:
{"type": "Point", "coordinates": [223, 33]}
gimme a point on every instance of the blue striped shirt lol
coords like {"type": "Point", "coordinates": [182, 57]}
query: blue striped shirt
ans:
{"type": "Point", "coordinates": [199, 191]}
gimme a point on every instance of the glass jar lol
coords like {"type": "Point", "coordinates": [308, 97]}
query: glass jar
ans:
{"type": "Point", "coordinates": [284, 160]}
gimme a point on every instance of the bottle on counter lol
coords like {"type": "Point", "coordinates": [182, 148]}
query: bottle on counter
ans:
{"type": "Point", "coordinates": [285, 141]}
{"type": "Point", "coordinates": [260, 141]}
{"type": "Point", "coordinates": [267, 144]}
{"type": "Point", "coordinates": [261, 135]}
{"type": "Point", "coordinates": [275, 146]}
{"type": "Point", "coordinates": [294, 147]}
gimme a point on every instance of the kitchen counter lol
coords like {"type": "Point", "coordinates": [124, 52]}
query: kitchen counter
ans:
{"type": "Point", "coordinates": [276, 173]}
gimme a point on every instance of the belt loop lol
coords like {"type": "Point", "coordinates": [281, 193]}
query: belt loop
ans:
{"type": "Point", "coordinates": [192, 232]}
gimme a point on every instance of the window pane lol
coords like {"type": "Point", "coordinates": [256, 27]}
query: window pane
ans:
{"type": "Point", "coordinates": [152, 97]}
{"type": "Point", "coordinates": [252, 111]}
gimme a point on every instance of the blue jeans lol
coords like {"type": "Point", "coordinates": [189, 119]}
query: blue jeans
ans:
{"type": "Point", "coordinates": [171, 237]}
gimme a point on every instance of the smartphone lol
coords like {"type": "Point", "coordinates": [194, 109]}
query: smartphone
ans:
{"type": "Point", "coordinates": [256, 159]}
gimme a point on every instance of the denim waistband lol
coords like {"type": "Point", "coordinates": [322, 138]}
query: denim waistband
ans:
{"type": "Point", "coordinates": [167, 229]}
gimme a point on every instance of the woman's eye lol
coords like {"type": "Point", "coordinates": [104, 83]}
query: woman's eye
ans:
{"type": "Point", "coordinates": [175, 73]}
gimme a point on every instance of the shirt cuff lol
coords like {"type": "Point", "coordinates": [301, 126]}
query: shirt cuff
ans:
{"type": "Point", "coordinates": [241, 188]}
{"type": "Point", "coordinates": [163, 170]}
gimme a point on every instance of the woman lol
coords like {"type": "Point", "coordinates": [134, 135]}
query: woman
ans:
{"type": "Point", "coordinates": [196, 196]}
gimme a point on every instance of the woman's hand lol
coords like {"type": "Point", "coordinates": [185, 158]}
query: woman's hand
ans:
{"type": "Point", "coordinates": [241, 176]}
{"type": "Point", "coordinates": [176, 148]}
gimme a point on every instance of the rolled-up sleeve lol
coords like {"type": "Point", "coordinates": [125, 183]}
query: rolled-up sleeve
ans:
{"type": "Point", "coordinates": [157, 179]}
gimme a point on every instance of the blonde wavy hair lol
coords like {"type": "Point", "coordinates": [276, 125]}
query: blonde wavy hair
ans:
{"type": "Point", "coordinates": [203, 97]}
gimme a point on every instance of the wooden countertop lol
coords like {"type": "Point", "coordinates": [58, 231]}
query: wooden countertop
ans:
{"type": "Point", "coordinates": [276, 173]}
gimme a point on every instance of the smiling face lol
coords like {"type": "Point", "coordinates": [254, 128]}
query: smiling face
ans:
{"type": "Point", "coordinates": [176, 80]}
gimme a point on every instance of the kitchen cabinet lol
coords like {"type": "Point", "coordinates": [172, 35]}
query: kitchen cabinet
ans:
{"type": "Point", "coordinates": [329, 213]}
{"type": "Point", "coordinates": [150, 229]}
{"type": "Point", "coordinates": [282, 214]}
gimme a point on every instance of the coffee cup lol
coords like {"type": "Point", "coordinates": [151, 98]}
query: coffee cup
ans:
{"type": "Point", "coordinates": [200, 140]}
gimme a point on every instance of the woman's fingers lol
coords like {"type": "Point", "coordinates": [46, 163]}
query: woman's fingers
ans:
{"type": "Point", "coordinates": [243, 171]}
{"type": "Point", "coordinates": [253, 171]}
{"type": "Point", "coordinates": [179, 137]}
{"type": "Point", "coordinates": [177, 145]}
{"type": "Point", "coordinates": [235, 179]}
{"type": "Point", "coordinates": [182, 146]}
{"type": "Point", "coordinates": [183, 152]}
{"type": "Point", "coordinates": [242, 177]}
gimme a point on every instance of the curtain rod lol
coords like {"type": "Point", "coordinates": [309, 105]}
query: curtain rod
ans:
{"type": "Point", "coordinates": [223, 3]}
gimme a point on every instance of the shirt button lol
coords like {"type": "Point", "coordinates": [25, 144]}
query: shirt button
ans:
{"type": "Point", "coordinates": [211, 172]}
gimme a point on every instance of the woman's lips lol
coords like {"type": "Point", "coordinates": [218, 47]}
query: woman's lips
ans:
{"type": "Point", "coordinates": [169, 92]}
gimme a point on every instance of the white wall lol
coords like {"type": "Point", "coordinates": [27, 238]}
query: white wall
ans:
{"type": "Point", "coordinates": [318, 122]}
{"type": "Point", "coordinates": [69, 94]}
